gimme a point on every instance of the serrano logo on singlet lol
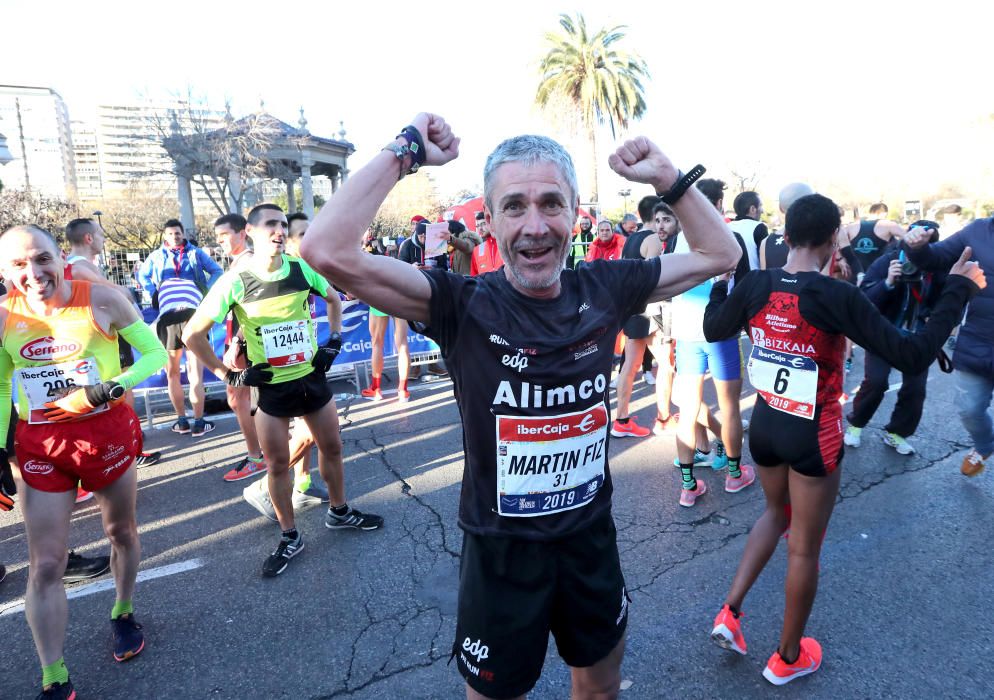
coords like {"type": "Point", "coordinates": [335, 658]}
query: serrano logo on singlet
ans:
{"type": "Point", "coordinates": [536, 396]}
{"type": "Point", "coordinates": [760, 338]}
{"type": "Point", "coordinates": [48, 348]}
{"type": "Point", "coordinates": [33, 466]}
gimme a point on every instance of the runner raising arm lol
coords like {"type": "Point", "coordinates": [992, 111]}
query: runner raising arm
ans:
{"type": "Point", "coordinates": [332, 244]}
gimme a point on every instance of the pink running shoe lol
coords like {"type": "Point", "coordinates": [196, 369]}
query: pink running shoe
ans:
{"type": "Point", "coordinates": [733, 485]}
{"type": "Point", "coordinates": [688, 497]}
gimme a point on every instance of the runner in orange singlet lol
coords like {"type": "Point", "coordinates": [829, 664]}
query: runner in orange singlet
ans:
{"type": "Point", "coordinates": [60, 339]}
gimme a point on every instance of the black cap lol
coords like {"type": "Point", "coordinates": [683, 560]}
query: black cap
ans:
{"type": "Point", "coordinates": [456, 228]}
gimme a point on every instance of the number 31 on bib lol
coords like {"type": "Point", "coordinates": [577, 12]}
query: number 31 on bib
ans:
{"type": "Point", "coordinates": [787, 382]}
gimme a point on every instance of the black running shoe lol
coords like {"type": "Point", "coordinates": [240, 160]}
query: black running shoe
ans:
{"type": "Point", "coordinates": [147, 459]}
{"type": "Point", "coordinates": [128, 637]}
{"type": "Point", "coordinates": [287, 549]}
{"type": "Point", "coordinates": [58, 691]}
{"type": "Point", "coordinates": [80, 568]}
{"type": "Point", "coordinates": [354, 519]}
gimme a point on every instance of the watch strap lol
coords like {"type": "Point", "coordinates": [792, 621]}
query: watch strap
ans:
{"type": "Point", "coordinates": [682, 184]}
{"type": "Point", "coordinates": [400, 152]}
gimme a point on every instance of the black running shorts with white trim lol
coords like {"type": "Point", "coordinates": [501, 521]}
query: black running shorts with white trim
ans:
{"type": "Point", "coordinates": [297, 397]}
{"type": "Point", "coordinates": [513, 592]}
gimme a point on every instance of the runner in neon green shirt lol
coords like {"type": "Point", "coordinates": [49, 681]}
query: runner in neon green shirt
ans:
{"type": "Point", "coordinates": [268, 296]}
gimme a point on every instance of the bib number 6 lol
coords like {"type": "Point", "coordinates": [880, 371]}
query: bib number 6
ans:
{"type": "Point", "coordinates": [780, 381]}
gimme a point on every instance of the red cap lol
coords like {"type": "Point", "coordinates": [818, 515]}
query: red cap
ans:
{"type": "Point", "coordinates": [416, 218]}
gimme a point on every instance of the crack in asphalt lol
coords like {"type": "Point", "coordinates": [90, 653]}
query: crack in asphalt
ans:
{"type": "Point", "coordinates": [401, 619]}
{"type": "Point", "coordinates": [407, 490]}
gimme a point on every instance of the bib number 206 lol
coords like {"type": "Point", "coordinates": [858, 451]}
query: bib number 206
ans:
{"type": "Point", "coordinates": [59, 387]}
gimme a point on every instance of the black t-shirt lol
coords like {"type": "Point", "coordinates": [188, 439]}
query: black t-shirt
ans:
{"type": "Point", "coordinates": [776, 251]}
{"type": "Point", "coordinates": [537, 373]}
{"type": "Point", "coordinates": [633, 244]}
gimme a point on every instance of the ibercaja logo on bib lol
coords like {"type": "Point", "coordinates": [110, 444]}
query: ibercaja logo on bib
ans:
{"type": "Point", "coordinates": [48, 348]}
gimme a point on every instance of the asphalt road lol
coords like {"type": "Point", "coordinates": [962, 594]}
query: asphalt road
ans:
{"type": "Point", "coordinates": [902, 610]}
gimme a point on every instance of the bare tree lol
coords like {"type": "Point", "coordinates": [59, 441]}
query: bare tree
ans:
{"type": "Point", "coordinates": [745, 178]}
{"type": "Point", "coordinates": [18, 207]}
{"type": "Point", "coordinates": [415, 194]}
{"type": "Point", "coordinates": [134, 219]}
{"type": "Point", "coordinates": [222, 156]}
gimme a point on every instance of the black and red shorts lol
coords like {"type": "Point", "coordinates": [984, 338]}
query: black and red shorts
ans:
{"type": "Point", "coordinates": [513, 592]}
{"type": "Point", "coordinates": [94, 451]}
{"type": "Point", "coordinates": [810, 447]}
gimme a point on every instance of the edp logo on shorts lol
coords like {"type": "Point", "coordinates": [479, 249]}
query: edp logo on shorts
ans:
{"type": "Point", "coordinates": [477, 649]}
{"type": "Point", "coordinates": [33, 466]}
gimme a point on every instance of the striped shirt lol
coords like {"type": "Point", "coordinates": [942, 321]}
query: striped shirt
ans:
{"type": "Point", "coordinates": [176, 294]}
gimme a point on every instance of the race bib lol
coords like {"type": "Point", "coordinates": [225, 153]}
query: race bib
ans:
{"type": "Point", "coordinates": [288, 343]}
{"type": "Point", "coordinates": [548, 464]}
{"type": "Point", "coordinates": [51, 382]}
{"type": "Point", "coordinates": [788, 382]}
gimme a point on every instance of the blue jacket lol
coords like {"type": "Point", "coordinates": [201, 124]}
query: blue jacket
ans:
{"type": "Point", "coordinates": [975, 344]}
{"type": "Point", "coordinates": [897, 302]}
{"type": "Point", "coordinates": [194, 265]}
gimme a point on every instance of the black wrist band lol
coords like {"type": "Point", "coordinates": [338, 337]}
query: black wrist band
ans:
{"type": "Point", "coordinates": [682, 184]}
{"type": "Point", "coordinates": [417, 146]}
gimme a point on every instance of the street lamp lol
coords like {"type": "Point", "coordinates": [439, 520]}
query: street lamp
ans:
{"type": "Point", "coordinates": [625, 193]}
{"type": "Point", "coordinates": [103, 249]}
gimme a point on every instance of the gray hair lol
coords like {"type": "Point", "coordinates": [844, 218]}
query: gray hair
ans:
{"type": "Point", "coordinates": [793, 192]}
{"type": "Point", "coordinates": [529, 149]}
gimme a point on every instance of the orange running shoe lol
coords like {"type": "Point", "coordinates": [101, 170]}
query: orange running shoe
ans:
{"type": "Point", "coordinates": [82, 495]}
{"type": "Point", "coordinates": [245, 468]}
{"type": "Point", "coordinates": [403, 395]}
{"type": "Point", "coordinates": [779, 672]}
{"type": "Point", "coordinates": [374, 394]}
{"type": "Point", "coordinates": [629, 429]}
{"type": "Point", "coordinates": [727, 632]}
{"type": "Point", "coordinates": [973, 463]}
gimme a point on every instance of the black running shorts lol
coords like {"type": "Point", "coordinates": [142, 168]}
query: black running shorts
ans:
{"type": "Point", "coordinates": [637, 327]}
{"type": "Point", "coordinates": [170, 328]}
{"type": "Point", "coordinates": [810, 447]}
{"type": "Point", "coordinates": [513, 592]}
{"type": "Point", "coordinates": [297, 397]}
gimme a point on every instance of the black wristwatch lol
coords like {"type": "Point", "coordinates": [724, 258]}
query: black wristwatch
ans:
{"type": "Point", "coordinates": [682, 184]}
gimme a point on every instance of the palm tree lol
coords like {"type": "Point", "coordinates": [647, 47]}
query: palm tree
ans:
{"type": "Point", "coordinates": [592, 76]}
